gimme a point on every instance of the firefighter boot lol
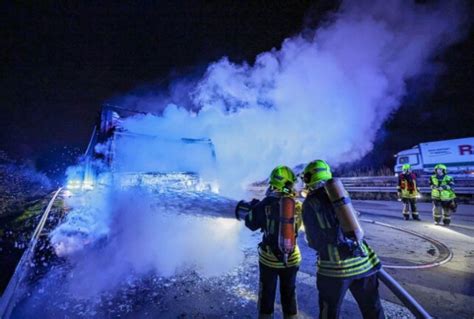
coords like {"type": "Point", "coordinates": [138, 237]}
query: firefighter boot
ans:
{"type": "Point", "coordinates": [446, 216]}
{"type": "Point", "coordinates": [405, 211]}
{"type": "Point", "coordinates": [415, 216]}
{"type": "Point", "coordinates": [437, 214]}
{"type": "Point", "coordinates": [265, 316]}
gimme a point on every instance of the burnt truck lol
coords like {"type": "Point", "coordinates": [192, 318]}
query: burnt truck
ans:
{"type": "Point", "coordinates": [121, 152]}
{"type": "Point", "coordinates": [456, 154]}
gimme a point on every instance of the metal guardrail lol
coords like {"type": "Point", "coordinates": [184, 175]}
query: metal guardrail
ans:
{"type": "Point", "coordinates": [395, 178]}
{"type": "Point", "coordinates": [8, 301]}
{"type": "Point", "coordinates": [392, 189]}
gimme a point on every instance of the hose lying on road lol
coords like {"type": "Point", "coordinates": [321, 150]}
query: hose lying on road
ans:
{"type": "Point", "coordinates": [445, 254]}
{"type": "Point", "coordinates": [403, 295]}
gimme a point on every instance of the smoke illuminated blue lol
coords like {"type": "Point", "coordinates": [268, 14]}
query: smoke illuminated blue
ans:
{"type": "Point", "coordinates": [154, 205]}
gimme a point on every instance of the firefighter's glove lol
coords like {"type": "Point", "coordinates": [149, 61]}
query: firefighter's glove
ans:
{"type": "Point", "coordinates": [243, 208]}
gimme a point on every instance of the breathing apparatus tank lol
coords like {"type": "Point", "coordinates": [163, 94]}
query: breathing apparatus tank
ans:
{"type": "Point", "coordinates": [345, 212]}
{"type": "Point", "coordinates": [286, 234]}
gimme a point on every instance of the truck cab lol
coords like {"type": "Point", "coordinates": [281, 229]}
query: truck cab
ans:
{"type": "Point", "coordinates": [410, 156]}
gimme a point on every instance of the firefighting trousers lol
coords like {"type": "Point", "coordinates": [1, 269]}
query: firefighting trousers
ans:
{"type": "Point", "coordinates": [267, 289]}
{"type": "Point", "coordinates": [365, 291]}
{"type": "Point", "coordinates": [409, 204]}
{"type": "Point", "coordinates": [442, 209]}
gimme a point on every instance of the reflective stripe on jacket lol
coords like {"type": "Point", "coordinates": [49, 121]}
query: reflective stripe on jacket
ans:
{"type": "Point", "coordinates": [265, 216]}
{"type": "Point", "coordinates": [266, 257]}
{"type": "Point", "coordinates": [350, 267]}
{"type": "Point", "coordinates": [323, 233]}
{"type": "Point", "coordinates": [446, 182]}
{"type": "Point", "coordinates": [407, 185]}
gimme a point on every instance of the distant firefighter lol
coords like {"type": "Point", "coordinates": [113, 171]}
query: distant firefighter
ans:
{"type": "Point", "coordinates": [278, 216]}
{"type": "Point", "coordinates": [345, 260]}
{"type": "Point", "coordinates": [408, 192]}
{"type": "Point", "coordinates": [442, 194]}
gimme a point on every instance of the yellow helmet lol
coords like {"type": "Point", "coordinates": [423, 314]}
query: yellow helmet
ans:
{"type": "Point", "coordinates": [282, 179]}
{"type": "Point", "coordinates": [442, 167]}
{"type": "Point", "coordinates": [315, 172]}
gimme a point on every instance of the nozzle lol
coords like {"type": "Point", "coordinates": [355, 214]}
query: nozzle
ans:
{"type": "Point", "coordinates": [243, 208]}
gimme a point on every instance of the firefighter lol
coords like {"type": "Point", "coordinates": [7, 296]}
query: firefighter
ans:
{"type": "Point", "coordinates": [343, 263]}
{"type": "Point", "coordinates": [273, 263]}
{"type": "Point", "coordinates": [442, 194]}
{"type": "Point", "coordinates": [408, 192]}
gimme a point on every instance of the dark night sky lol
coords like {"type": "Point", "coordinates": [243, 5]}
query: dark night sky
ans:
{"type": "Point", "coordinates": [61, 62]}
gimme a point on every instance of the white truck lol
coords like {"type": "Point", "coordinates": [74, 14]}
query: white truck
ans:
{"type": "Point", "coordinates": [456, 154]}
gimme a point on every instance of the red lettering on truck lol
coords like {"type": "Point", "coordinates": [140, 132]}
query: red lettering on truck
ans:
{"type": "Point", "coordinates": [468, 149]}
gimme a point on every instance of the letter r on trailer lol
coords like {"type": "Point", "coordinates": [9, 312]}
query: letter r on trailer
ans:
{"type": "Point", "coordinates": [466, 149]}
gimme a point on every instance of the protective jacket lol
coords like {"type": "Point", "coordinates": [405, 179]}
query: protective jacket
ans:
{"type": "Point", "coordinates": [265, 215]}
{"type": "Point", "coordinates": [407, 185]}
{"type": "Point", "coordinates": [446, 182]}
{"type": "Point", "coordinates": [337, 258]}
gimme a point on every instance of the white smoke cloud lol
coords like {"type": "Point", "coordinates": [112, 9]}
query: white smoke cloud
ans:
{"type": "Point", "coordinates": [112, 234]}
{"type": "Point", "coordinates": [319, 96]}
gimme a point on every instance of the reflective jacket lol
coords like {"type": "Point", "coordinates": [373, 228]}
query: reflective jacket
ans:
{"type": "Point", "coordinates": [407, 185]}
{"type": "Point", "coordinates": [446, 182]}
{"type": "Point", "coordinates": [323, 233]}
{"type": "Point", "coordinates": [265, 215]}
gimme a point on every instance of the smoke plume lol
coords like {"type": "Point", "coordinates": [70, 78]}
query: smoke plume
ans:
{"type": "Point", "coordinates": [321, 95]}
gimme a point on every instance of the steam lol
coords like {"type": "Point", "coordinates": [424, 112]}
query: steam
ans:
{"type": "Point", "coordinates": [322, 95]}
{"type": "Point", "coordinates": [112, 234]}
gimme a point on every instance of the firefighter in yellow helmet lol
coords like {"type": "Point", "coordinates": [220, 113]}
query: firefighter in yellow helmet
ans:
{"type": "Point", "coordinates": [442, 194]}
{"type": "Point", "coordinates": [408, 192]}
{"type": "Point", "coordinates": [278, 216]}
{"type": "Point", "coordinates": [343, 264]}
